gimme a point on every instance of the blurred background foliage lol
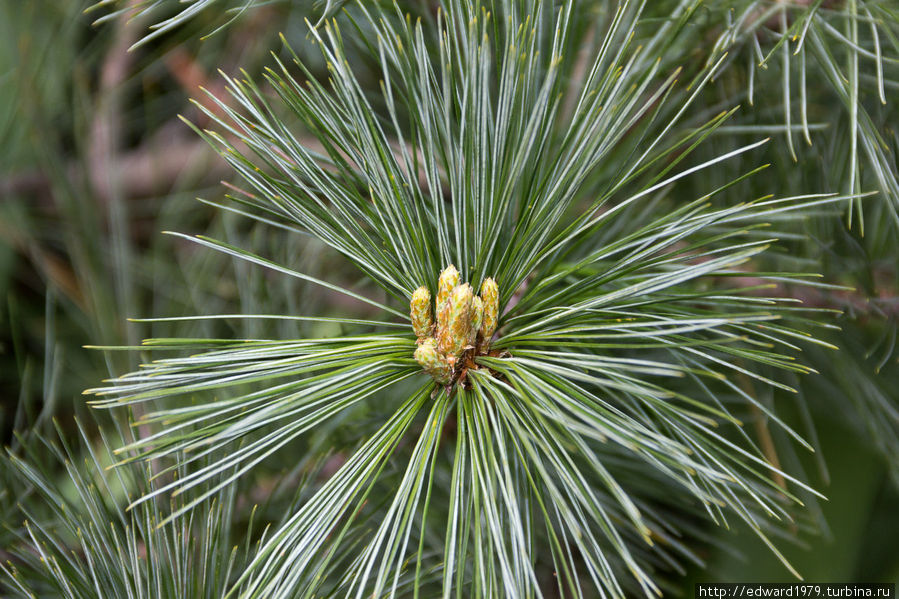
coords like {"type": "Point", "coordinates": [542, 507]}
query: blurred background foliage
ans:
{"type": "Point", "coordinates": [95, 163]}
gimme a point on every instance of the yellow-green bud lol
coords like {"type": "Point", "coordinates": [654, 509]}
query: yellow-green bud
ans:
{"type": "Point", "coordinates": [448, 280]}
{"type": "Point", "coordinates": [454, 337]}
{"type": "Point", "coordinates": [477, 317]}
{"type": "Point", "coordinates": [442, 316]}
{"type": "Point", "coordinates": [421, 312]}
{"type": "Point", "coordinates": [490, 297]}
{"type": "Point", "coordinates": [432, 362]}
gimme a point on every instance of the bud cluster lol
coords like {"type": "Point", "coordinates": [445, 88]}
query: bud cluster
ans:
{"type": "Point", "coordinates": [465, 324]}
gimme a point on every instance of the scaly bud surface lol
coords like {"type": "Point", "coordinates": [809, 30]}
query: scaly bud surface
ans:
{"type": "Point", "coordinates": [422, 323]}
{"type": "Point", "coordinates": [448, 281]}
{"type": "Point", "coordinates": [432, 362]}
{"type": "Point", "coordinates": [477, 317]}
{"type": "Point", "coordinates": [458, 321]}
{"type": "Point", "coordinates": [490, 297]}
{"type": "Point", "coordinates": [443, 312]}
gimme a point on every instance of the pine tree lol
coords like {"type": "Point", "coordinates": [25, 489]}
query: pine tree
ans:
{"type": "Point", "coordinates": [598, 245]}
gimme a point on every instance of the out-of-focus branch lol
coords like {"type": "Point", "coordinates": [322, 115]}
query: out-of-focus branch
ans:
{"type": "Point", "coordinates": [148, 170]}
{"type": "Point", "coordinates": [106, 127]}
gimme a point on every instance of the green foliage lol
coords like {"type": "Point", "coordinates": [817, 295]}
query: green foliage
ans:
{"type": "Point", "coordinates": [650, 269]}
{"type": "Point", "coordinates": [79, 541]}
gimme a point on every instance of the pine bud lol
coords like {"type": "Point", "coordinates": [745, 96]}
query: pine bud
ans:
{"type": "Point", "coordinates": [477, 317]}
{"type": "Point", "coordinates": [443, 312]}
{"type": "Point", "coordinates": [421, 312]}
{"type": "Point", "coordinates": [490, 297]}
{"type": "Point", "coordinates": [448, 280]}
{"type": "Point", "coordinates": [458, 321]}
{"type": "Point", "coordinates": [432, 362]}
